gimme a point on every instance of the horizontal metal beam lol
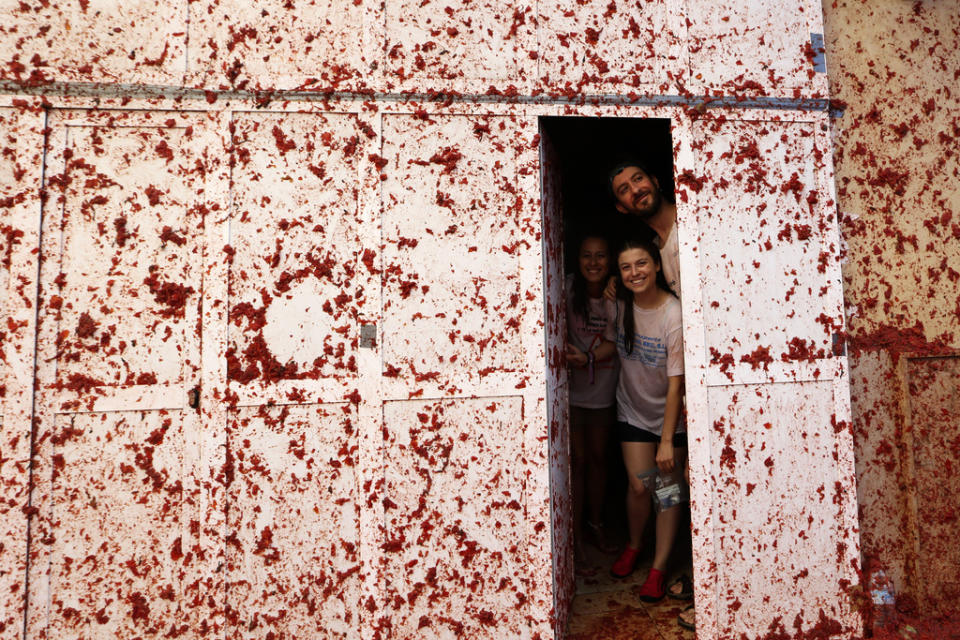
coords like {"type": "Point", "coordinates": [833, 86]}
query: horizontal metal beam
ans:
{"type": "Point", "coordinates": [142, 91]}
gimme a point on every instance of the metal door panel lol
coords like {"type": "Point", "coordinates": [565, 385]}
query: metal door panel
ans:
{"type": "Point", "coordinates": [96, 41]}
{"type": "Point", "coordinates": [607, 47]}
{"type": "Point", "coordinates": [451, 275]}
{"type": "Point", "coordinates": [767, 390]}
{"type": "Point", "coordinates": [279, 44]}
{"type": "Point", "coordinates": [292, 558]}
{"type": "Point", "coordinates": [118, 329]}
{"type": "Point", "coordinates": [294, 232]}
{"type": "Point", "coordinates": [776, 504]}
{"type": "Point", "coordinates": [119, 535]}
{"type": "Point", "coordinates": [769, 241]}
{"type": "Point", "coordinates": [454, 497]}
{"type": "Point", "coordinates": [468, 48]}
{"type": "Point", "coordinates": [756, 48]}
{"type": "Point", "coordinates": [127, 251]}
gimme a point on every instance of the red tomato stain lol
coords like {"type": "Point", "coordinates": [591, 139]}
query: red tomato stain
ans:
{"type": "Point", "coordinates": [120, 224]}
{"type": "Point", "coordinates": [86, 326]}
{"type": "Point", "coordinates": [173, 297]}
{"type": "Point", "coordinates": [169, 235]}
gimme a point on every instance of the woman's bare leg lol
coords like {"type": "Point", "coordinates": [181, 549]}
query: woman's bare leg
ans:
{"type": "Point", "coordinates": [668, 522]}
{"type": "Point", "coordinates": [596, 436]}
{"type": "Point", "coordinates": [637, 458]}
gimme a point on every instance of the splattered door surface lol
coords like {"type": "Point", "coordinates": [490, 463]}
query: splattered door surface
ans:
{"type": "Point", "coordinates": [934, 435]}
{"type": "Point", "coordinates": [20, 168]}
{"type": "Point", "coordinates": [455, 359]}
{"type": "Point", "coordinates": [274, 348]}
{"type": "Point", "coordinates": [118, 360]}
{"type": "Point", "coordinates": [291, 503]}
{"type": "Point", "coordinates": [772, 457]}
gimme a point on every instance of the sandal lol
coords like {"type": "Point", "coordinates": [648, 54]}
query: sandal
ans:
{"type": "Point", "coordinates": [681, 588]}
{"type": "Point", "coordinates": [626, 563]}
{"type": "Point", "coordinates": [598, 537]}
{"type": "Point", "coordinates": [686, 624]}
{"type": "Point", "coordinates": [654, 588]}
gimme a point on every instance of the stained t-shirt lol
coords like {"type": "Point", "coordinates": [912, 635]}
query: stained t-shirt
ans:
{"type": "Point", "coordinates": [585, 334]}
{"type": "Point", "coordinates": [657, 353]}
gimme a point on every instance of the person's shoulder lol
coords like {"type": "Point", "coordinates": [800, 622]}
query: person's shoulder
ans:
{"type": "Point", "coordinates": [612, 307]}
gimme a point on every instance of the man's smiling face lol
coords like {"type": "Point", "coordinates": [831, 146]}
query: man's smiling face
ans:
{"type": "Point", "coordinates": [636, 192]}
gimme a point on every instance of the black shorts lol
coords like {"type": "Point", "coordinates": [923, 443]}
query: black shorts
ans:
{"type": "Point", "coordinates": [629, 433]}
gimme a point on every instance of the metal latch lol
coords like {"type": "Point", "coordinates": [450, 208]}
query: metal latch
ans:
{"type": "Point", "coordinates": [193, 398]}
{"type": "Point", "coordinates": [368, 336]}
{"type": "Point", "coordinates": [839, 344]}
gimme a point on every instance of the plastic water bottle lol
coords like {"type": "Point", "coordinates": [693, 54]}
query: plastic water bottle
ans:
{"type": "Point", "coordinates": [884, 600]}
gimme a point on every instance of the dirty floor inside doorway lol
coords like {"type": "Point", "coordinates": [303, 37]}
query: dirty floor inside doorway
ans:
{"type": "Point", "coordinates": [608, 609]}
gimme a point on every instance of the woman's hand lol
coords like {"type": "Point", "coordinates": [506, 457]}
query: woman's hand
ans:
{"type": "Point", "coordinates": [610, 291]}
{"type": "Point", "coordinates": [575, 356]}
{"type": "Point", "coordinates": [665, 456]}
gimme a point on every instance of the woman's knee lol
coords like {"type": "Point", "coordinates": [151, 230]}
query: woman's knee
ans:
{"type": "Point", "coordinates": [637, 488]}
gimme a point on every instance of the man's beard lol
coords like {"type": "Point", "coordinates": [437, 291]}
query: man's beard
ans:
{"type": "Point", "coordinates": [648, 211]}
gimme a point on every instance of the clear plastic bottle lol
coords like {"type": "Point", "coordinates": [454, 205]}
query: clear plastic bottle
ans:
{"type": "Point", "coordinates": [884, 600]}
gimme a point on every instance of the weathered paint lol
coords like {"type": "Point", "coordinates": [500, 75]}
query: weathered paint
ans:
{"type": "Point", "coordinates": [894, 69]}
{"type": "Point", "coordinates": [760, 345]}
{"type": "Point", "coordinates": [118, 351]}
{"type": "Point", "coordinates": [556, 401]}
{"type": "Point", "coordinates": [465, 159]}
{"type": "Point", "coordinates": [21, 132]}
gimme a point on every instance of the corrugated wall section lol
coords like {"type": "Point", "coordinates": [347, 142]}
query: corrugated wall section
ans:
{"type": "Point", "coordinates": [896, 68]}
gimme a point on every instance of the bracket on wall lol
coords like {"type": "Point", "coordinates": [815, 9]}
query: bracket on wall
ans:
{"type": "Point", "coordinates": [819, 58]}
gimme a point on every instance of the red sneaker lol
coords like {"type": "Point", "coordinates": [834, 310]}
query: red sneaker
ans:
{"type": "Point", "coordinates": [626, 563]}
{"type": "Point", "coordinates": [654, 588]}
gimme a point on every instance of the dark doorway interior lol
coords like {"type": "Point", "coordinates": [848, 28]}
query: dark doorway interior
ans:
{"type": "Point", "coordinates": [582, 152]}
{"type": "Point", "coordinates": [586, 149]}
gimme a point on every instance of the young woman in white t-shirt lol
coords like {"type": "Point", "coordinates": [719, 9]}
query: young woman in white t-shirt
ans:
{"type": "Point", "coordinates": [592, 386]}
{"type": "Point", "coordinates": [647, 336]}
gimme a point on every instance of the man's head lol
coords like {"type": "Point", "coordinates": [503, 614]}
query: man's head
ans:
{"type": "Point", "coordinates": [635, 190]}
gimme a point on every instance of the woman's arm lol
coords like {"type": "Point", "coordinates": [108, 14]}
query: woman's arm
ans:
{"type": "Point", "coordinates": [575, 356]}
{"type": "Point", "coordinates": [605, 350]}
{"type": "Point", "coordinates": [671, 414]}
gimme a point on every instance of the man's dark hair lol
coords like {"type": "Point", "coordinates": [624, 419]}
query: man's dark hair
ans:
{"type": "Point", "coordinates": [623, 163]}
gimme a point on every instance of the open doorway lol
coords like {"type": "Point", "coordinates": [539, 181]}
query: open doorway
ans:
{"type": "Point", "coordinates": [577, 154]}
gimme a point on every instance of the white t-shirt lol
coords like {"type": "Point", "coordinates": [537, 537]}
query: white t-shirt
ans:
{"type": "Point", "coordinates": [657, 353]}
{"type": "Point", "coordinates": [585, 334]}
{"type": "Point", "coordinates": [670, 259]}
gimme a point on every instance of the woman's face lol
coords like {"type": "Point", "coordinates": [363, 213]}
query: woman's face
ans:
{"type": "Point", "coordinates": [637, 270]}
{"type": "Point", "coordinates": [594, 261]}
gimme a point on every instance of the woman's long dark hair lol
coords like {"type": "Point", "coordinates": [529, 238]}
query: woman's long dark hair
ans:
{"type": "Point", "coordinates": [581, 300]}
{"type": "Point", "coordinates": [627, 322]}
